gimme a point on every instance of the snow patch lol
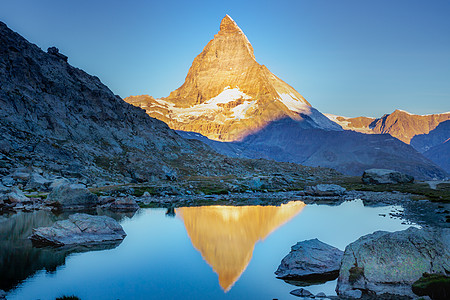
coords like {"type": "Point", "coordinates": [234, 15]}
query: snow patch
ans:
{"type": "Point", "coordinates": [294, 104]}
{"type": "Point", "coordinates": [240, 110]}
{"type": "Point", "coordinates": [209, 108]}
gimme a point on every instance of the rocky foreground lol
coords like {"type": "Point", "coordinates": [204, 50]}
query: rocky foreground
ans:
{"type": "Point", "coordinates": [382, 265]}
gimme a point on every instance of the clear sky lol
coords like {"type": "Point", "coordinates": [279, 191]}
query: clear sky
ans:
{"type": "Point", "coordinates": [346, 57]}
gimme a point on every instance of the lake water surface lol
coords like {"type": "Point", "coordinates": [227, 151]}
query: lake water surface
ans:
{"type": "Point", "coordinates": [209, 252]}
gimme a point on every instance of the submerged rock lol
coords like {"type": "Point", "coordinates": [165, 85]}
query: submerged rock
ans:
{"type": "Point", "coordinates": [67, 196]}
{"type": "Point", "coordinates": [384, 176]}
{"type": "Point", "coordinates": [79, 229]}
{"type": "Point", "coordinates": [389, 263]}
{"type": "Point", "coordinates": [310, 259]}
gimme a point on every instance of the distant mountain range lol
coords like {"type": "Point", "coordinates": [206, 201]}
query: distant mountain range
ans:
{"type": "Point", "coordinates": [428, 134]}
{"type": "Point", "coordinates": [241, 109]}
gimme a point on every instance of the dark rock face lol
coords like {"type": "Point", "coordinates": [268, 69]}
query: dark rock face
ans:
{"type": "Point", "coordinates": [389, 263]}
{"type": "Point", "coordinates": [383, 176]}
{"type": "Point", "coordinates": [311, 258]}
{"type": "Point", "coordinates": [79, 229]}
{"type": "Point", "coordinates": [75, 197]}
{"type": "Point", "coordinates": [59, 118]}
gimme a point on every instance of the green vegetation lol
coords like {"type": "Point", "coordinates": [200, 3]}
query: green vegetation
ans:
{"type": "Point", "coordinates": [440, 194]}
{"type": "Point", "coordinates": [437, 286]}
{"type": "Point", "coordinates": [355, 274]}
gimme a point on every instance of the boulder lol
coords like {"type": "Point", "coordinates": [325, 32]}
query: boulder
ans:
{"type": "Point", "coordinates": [67, 196]}
{"type": "Point", "coordinates": [37, 182]}
{"type": "Point", "coordinates": [59, 181]}
{"type": "Point", "coordinates": [325, 190]}
{"type": "Point", "coordinates": [8, 180]}
{"type": "Point", "coordinates": [389, 263]}
{"type": "Point", "coordinates": [79, 229]}
{"type": "Point", "coordinates": [301, 293]}
{"type": "Point", "coordinates": [384, 176]}
{"type": "Point", "coordinates": [17, 196]}
{"type": "Point", "coordinates": [124, 204]}
{"type": "Point", "coordinates": [3, 189]}
{"type": "Point", "coordinates": [311, 259]}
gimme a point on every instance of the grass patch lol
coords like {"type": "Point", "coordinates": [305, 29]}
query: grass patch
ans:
{"type": "Point", "coordinates": [440, 194]}
{"type": "Point", "coordinates": [355, 274]}
{"type": "Point", "coordinates": [437, 286]}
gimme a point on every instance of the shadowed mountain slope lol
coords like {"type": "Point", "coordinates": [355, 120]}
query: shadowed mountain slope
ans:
{"type": "Point", "coordinates": [346, 151]}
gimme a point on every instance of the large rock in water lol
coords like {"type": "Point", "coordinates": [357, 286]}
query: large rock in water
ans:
{"type": "Point", "coordinates": [70, 196]}
{"type": "Point", "coordinates": [389, 263]}
{"type": "Point", "coordinates": [384, 176]}
{"type": "Point", "coordinates": [310, 259]}
{"type": "Point", "coordinates": [79, 229]}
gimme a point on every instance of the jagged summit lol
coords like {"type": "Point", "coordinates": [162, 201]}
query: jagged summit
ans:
{"type": "Point", "coordinates": [229, 25]}
{"type": "Point", "coordinates": [227, 94]}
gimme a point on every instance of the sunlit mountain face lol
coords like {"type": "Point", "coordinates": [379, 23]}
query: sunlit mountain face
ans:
{"type": "Point", "coordinates": [227, 94]}
{"type": "Point", "coordinates": [226, 235]}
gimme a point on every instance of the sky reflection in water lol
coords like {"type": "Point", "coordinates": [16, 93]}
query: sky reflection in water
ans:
{"type": "Point", "coordinates": [166, 258]}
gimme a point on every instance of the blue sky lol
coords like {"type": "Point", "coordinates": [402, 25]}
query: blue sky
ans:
{"type": "Point", "coordinates": [347, 57]}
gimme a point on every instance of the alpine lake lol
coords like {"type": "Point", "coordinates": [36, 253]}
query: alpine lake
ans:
{"type": "Point", "coordinates": [203, 252]}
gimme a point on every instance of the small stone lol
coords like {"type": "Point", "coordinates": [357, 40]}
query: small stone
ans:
{"type": "Point", "coordinates": [146, 194]}
{"type": "Point", "coordinates": [321, 295]}
{"type": "Point", "coordinates": [301, 293]}
{"type": "Point", "coordinates": [353, 294]}
{"type": "Point", "coordinates": [125, 204]}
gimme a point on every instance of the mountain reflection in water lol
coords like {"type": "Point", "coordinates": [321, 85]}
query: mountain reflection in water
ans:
{"type": "Point", "coordinates": [226, 235]}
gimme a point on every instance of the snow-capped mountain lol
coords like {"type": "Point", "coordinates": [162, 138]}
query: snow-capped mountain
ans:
{"type": "Point", "coordinates": [227, 94]}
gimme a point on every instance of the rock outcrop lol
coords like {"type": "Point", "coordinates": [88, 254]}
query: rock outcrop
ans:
{"type": "Point", "coordinates": [389, 263]}
{"type": "Point", "coordinates": [384, 176]}
{"type": "Point", "coordinates": [79, 229]}
{"type": "Point", "coordinates": [311, 259]}
{"type": "Point", "coordinates": [227, 94]}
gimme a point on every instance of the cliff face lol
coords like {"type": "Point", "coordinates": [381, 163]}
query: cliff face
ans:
{"type": "Point", "coordinates": [228, 95]}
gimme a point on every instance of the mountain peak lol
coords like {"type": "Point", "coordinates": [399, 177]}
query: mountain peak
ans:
{"type": "Point", "coordinates": [229, 25]}
{"type": "Point", "coordinates": [227, 94]}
